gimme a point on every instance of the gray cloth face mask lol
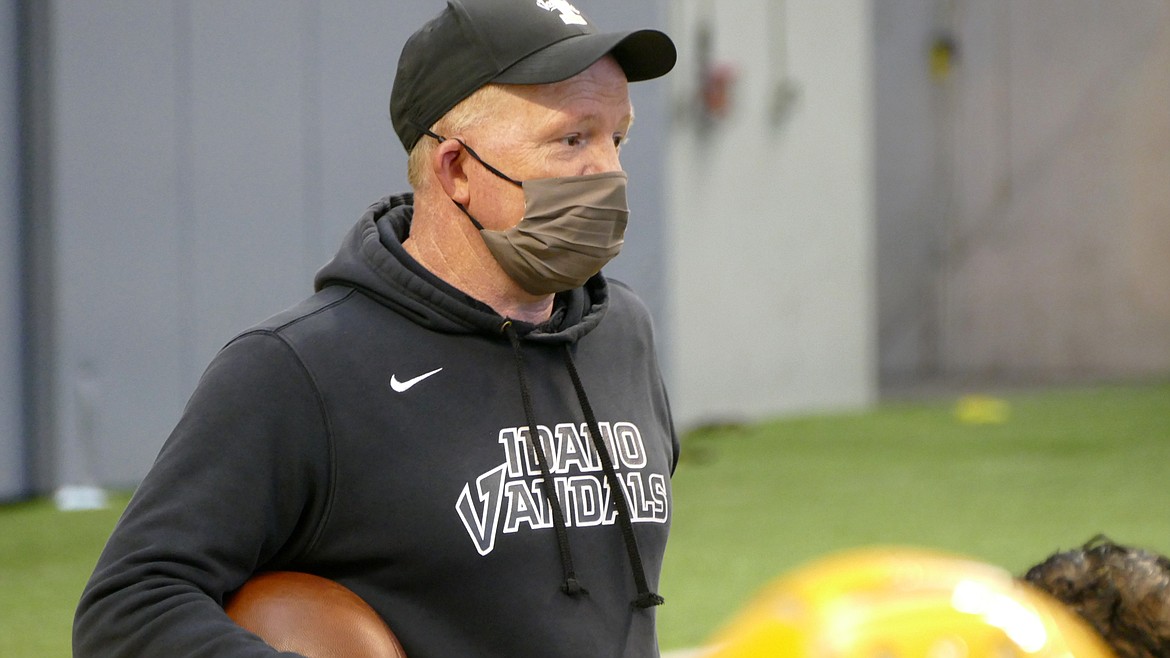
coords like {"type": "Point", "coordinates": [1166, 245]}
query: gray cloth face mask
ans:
{"type": "Point", "coordinates": [572, 227]}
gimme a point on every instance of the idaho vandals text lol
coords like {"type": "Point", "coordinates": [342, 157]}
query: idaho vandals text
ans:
{"type": "Point", "coordinates": [509, 497]}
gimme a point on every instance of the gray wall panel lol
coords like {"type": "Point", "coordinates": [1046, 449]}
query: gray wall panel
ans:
{"type": "Point", "coordinates": [771, 248]}
{"type": "Point", "coordinates": [1022, 224]}
{"type": "Point", "coordinates": [12, 456]}
{"type": "Point", "coordinates": [361, 157]}
{"type": "Point", "coordinates": [248, 118]}
{"type": "Point", "coordinates": [118, 314]}
{"type": "Point", "coordinates": [911, 186]}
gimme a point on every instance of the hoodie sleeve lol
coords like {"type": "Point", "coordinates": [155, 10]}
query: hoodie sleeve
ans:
{"type": "Point", "coordinates": [240, 485]}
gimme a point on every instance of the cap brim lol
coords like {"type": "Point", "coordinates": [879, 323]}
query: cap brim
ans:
{"type": "Point", "coordinates": [642, 54]}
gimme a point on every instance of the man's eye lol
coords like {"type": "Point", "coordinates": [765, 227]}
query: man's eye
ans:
{"type": "Point", "coordinates": [618, 140]}
{"type": "Point", "coordinates": [572, 140]}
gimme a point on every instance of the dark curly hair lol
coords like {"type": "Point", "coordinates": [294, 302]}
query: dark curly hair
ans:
{"type": "Point", "coordinates": [1124, 592]}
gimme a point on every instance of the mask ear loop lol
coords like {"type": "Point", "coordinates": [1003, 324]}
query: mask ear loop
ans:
{"type": "Point", "coordinates": [472, 153]}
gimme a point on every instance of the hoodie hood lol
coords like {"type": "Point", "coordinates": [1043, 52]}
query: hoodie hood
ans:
{"type": "Point", "coordinates": [373, 260]}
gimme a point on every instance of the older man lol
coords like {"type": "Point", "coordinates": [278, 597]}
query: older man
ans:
{"type": "Point", "coordinates": [466, 424]}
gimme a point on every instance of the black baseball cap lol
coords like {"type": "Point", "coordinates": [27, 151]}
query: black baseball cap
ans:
{"type": "Point", "coordinates": [474, 42]}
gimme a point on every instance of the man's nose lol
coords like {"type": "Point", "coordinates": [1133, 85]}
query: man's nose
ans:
{"type": "Point", "coordinates": [603, 159]}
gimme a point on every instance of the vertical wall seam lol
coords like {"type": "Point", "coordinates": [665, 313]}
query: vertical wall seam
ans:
{"type": "Point", "coordinates": [37, 263]}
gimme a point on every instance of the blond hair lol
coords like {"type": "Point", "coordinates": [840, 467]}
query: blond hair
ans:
{"type": "Point", "coordinates": [469, 113]}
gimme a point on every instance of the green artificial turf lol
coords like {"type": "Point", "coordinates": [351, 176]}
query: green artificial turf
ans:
{"type": "Point", "coordinates": [45, 558]}
{"type": "Point", "coordinates": [1048, 472]}
{"type": "Point", "coordinates": [1058, 468]}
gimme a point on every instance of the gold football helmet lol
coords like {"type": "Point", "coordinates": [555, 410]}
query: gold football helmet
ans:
{"type": "Point", "coordinates": [904, 603]}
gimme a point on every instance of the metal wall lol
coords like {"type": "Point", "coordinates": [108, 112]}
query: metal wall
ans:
{"type": "Point", "coordinates": [206, 159]}
{"type": "Point", "coordinates": [1023, 190]}
{"type": "Point", "coordinates": [999, 216]}
{"type": "Point", "coordinates": [771, 243]}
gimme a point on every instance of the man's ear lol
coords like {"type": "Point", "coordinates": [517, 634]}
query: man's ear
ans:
{"type": "Point", "coordinates": [447, 162]}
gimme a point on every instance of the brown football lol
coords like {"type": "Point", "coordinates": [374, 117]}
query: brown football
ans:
{"type": "Point", "coordinates": [312, 616]}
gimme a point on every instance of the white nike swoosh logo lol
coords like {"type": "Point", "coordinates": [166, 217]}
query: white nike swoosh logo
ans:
{"type": "Point", "coordinates": [403, 386]}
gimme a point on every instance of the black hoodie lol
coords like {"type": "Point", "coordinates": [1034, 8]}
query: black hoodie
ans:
{"type": "Point", "coordinates": [377, 434]}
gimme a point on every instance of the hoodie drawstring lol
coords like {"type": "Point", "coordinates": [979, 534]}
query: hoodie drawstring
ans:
{"type": "Point", "coordinates": [571, 585]}
{"type": "Point", "coordinates": [646, 598]}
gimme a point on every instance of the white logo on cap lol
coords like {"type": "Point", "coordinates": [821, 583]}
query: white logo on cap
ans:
{"type": "Point", "coordinates": [569, 14]}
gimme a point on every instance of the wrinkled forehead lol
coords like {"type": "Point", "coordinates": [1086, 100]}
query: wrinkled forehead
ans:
{"type": "Point", "coordinates": [600, 90]}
